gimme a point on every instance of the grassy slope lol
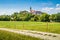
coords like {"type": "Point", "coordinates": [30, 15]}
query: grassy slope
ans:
{"type": "Point", "coordinates": [39, 26]}
{"type": "Point", "coordinates": [4, 35]}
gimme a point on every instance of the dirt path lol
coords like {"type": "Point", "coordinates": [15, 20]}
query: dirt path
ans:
{"type": "Point", "coordinates": [37, 34]}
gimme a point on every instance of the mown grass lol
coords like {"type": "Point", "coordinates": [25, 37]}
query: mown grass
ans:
{"type": "Point", "coordinates": [5, 35]}
{"type": "Point", "coordinates": [53, 27]}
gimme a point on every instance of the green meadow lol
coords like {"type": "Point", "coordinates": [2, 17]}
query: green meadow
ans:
{"type": "Point", "coordinates": [53, 27]}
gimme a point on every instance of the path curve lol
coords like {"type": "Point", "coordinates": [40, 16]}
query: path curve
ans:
{"type": "Point", "coordinates": [37, 34]}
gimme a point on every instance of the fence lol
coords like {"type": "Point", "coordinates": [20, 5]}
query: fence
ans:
{"type": "Point", "coordinates": [37, 26]}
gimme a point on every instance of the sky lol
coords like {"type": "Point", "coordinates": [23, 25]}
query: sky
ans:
{"type": "Point", "coordinates": [8, 7]}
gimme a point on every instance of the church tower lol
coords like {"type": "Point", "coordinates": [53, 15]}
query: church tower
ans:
{"type": "Point", "coordinates": [31, 9]}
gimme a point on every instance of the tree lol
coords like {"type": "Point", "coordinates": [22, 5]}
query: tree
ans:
{"type": "Point", "coordinates": [4, 18]}
{"type": "Point", "coordinates": [44, 17]}
{"type": "Point", "coordinates": [53, 17]}
{"type": "Point", "coordinates": [58, 17]}
{"type": "Point", "coordinates": [34, 18]}
{"type": "Point", "coordinates": [25, 15]}
{"type": "Point", "coordinates": [14, 16]}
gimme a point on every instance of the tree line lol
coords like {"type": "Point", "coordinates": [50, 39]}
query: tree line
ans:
{"type": "Point", "coordinates": [27, 16]}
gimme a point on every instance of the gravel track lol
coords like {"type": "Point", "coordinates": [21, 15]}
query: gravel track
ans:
{"type": "Point", "coordinates": [37, 34]}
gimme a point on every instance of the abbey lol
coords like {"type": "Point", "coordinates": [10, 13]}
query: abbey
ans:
{"type": "Point", "coordinates": [34, 11]}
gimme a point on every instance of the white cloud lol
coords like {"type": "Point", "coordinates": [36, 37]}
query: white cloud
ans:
{"type": "Point", "coordinates": [57, 8]}
{"type": "Point", "coordinates": [57, 5]}
{"type": "Point", "coordinates": [8, 11]}
{"type": "Point", "coordinates": [51, 10]}
{"type": "Point", "coordinates": [47, 9]}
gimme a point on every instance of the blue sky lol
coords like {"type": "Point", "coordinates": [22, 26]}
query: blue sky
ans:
{"type": "Point", "coordinates": [10, 6]}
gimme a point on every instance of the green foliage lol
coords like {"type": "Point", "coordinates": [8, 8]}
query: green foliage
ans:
{"type": "Point", "coordinates": [55, 17]}
{"type": "Point", "coordinates": [58, 17]}
{"type": "Point", "coordinates": [4, 18]}
{"type": "Point", "coordinates": [44, 17]}
{"type": "Point", "coordinates": [14, 16]}
{"type": "Point", "coordinates": [27, 16]}
{"type": "Point", "coordinates": [52, 17]}
{"type": "Point", "coordinates": [32, 19]}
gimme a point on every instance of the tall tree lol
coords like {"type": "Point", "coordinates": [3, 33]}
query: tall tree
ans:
{"type": "Point", "coordinates": [44, 17]}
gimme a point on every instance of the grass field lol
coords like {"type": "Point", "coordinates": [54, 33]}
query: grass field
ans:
{"type": "Point", "coordinates": [53, 27]}
{"type": "Point", "coordinates": [4, 35]}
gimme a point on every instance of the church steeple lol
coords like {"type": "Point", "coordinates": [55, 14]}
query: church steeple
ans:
{"type": "Point", "coordinates": [30, 9]}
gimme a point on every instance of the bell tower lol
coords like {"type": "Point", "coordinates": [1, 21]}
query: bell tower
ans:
{"type": "Point", "coordinates": [31, 9]}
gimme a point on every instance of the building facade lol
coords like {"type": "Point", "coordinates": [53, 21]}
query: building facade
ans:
{"type": "Point", "coordinates": [35, 12]}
